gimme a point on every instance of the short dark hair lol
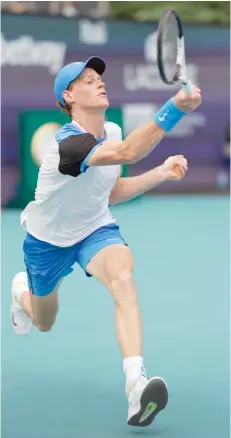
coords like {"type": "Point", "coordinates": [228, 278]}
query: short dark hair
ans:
{"type": "Point", "coordinates": [66, 108]}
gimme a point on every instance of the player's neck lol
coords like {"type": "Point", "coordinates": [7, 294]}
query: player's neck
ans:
{"type": "Point", "coordinates": [91, 122]}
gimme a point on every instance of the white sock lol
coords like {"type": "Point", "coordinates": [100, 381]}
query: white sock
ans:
{"type": "Point", "coordinates": [133, 368]}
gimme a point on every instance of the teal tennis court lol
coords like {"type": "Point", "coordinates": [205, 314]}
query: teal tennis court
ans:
{"type": "Point", "coordinates": [69, 383]}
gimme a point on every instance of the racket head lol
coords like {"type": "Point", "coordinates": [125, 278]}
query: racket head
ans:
{"type": "Point", "coordinates": [170, 44]}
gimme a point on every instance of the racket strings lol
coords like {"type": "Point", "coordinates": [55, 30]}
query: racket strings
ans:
{"type": "Point", "coordinates": [170, 47]}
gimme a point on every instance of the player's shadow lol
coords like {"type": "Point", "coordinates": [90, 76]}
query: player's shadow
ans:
{"type": "Point", "coordinates": [151, 431]}
{"type": "Point", "coordinates": [66, 409]}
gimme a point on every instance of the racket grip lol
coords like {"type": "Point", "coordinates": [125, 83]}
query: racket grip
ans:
{"type": "Point", "coordinates": [187, 87]}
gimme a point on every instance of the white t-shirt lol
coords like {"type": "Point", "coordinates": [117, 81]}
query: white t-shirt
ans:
{"type": "Point", "coordinates": [71, 199]}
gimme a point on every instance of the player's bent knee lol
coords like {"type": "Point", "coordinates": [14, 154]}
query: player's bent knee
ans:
{"type": "Point", "coordinates": [123, 277]}
{"type": "Point", "coordinates": [45, 309]}
{"type": "Point", "coordinates": [122, 287]}
{"type": "Point", "coordinates": [44, 327]}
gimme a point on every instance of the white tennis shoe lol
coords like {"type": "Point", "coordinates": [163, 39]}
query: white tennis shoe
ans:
{"type": "Point", "coordinates": [20, 321]}
{"type": "Point", "coordinates": [145, 400]}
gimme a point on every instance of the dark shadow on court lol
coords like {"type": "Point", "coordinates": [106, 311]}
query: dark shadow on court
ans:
{"type": "Point", "coordinates": [150, 431]}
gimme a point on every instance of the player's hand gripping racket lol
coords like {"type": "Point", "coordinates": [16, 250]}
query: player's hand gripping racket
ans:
{"type": "Point", "coordinates": [171, 51]}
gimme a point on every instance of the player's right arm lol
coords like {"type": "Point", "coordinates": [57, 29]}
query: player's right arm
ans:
{"type": "Point", "coordinates": [137, 145]}
{"type": "Point", "coordinates": [142, 140]}
{"type": "Point", "coordinates": [78, 152]}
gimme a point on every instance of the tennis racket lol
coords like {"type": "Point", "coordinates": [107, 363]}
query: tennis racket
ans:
{"type": "Point", "coordinates": [171, 51]}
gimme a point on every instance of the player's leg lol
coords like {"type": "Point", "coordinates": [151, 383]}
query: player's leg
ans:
{"type": "Point", "coordinates": [105, 255]}
{"type": "Point", "coordinates": [113, 266]}
{"type": "Point", "coordinates": [35, 293]}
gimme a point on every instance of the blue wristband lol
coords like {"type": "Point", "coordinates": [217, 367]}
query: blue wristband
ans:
{"type": "Point", "coordinates": [168, 116]}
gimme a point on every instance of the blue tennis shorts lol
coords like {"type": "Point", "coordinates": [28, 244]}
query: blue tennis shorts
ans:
{"type": "Point", "coordinates": [46, 264]}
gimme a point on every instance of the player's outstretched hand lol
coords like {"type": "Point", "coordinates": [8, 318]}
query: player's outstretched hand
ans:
{"type": "Point", "coordinates": [175, 167]}
{"type": "Point", "coordinates": [188, 102]}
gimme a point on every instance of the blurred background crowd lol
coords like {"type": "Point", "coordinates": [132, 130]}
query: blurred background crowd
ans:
{"type": "Point", "coordinates": [56, 8]}
{"type": "Point", "coordinates": [194, 12]}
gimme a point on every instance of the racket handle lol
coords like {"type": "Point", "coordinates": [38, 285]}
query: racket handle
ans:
{"type": "Point", "coordinates": [187, 87]}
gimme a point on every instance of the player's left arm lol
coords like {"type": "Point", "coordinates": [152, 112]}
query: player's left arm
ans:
{"type": "Point", "coordinates": [173, 169]}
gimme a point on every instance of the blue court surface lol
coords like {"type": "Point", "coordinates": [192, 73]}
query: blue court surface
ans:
{"type": "Point", "coordinates": [69, 383]}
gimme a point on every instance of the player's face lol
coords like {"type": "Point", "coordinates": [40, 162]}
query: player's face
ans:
{"type": "Point", "coordinates": [89, 90]}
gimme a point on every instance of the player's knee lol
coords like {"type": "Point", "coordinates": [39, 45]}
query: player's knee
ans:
{"type": "Point", "coordinates": [122, 287]}
{"type": "Point", "coordinates": [123, 277]}
{"type": "Point", "coordinates": [45, 326]}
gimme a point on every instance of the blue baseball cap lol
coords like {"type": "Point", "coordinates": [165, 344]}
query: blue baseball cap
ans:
{"type": "Point", "coordinates": [72, 71]}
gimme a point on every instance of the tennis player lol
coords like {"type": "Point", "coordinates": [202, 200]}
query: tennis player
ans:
{"type": "Point", "coordinates": [70, 222]}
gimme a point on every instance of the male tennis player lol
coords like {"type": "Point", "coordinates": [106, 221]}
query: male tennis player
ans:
{"type": "Point", "coordinates": [69, 221]}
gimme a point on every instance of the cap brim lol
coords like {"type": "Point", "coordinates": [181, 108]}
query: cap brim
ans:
{"type": "Point", "coordinates": [96, 64]}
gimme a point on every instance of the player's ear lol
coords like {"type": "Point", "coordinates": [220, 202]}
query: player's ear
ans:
{"type": "Point", "coordinates": [67, 95]}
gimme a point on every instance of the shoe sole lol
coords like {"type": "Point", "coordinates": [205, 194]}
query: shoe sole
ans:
{"type": "Point", "coordinates": [153, 400]}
